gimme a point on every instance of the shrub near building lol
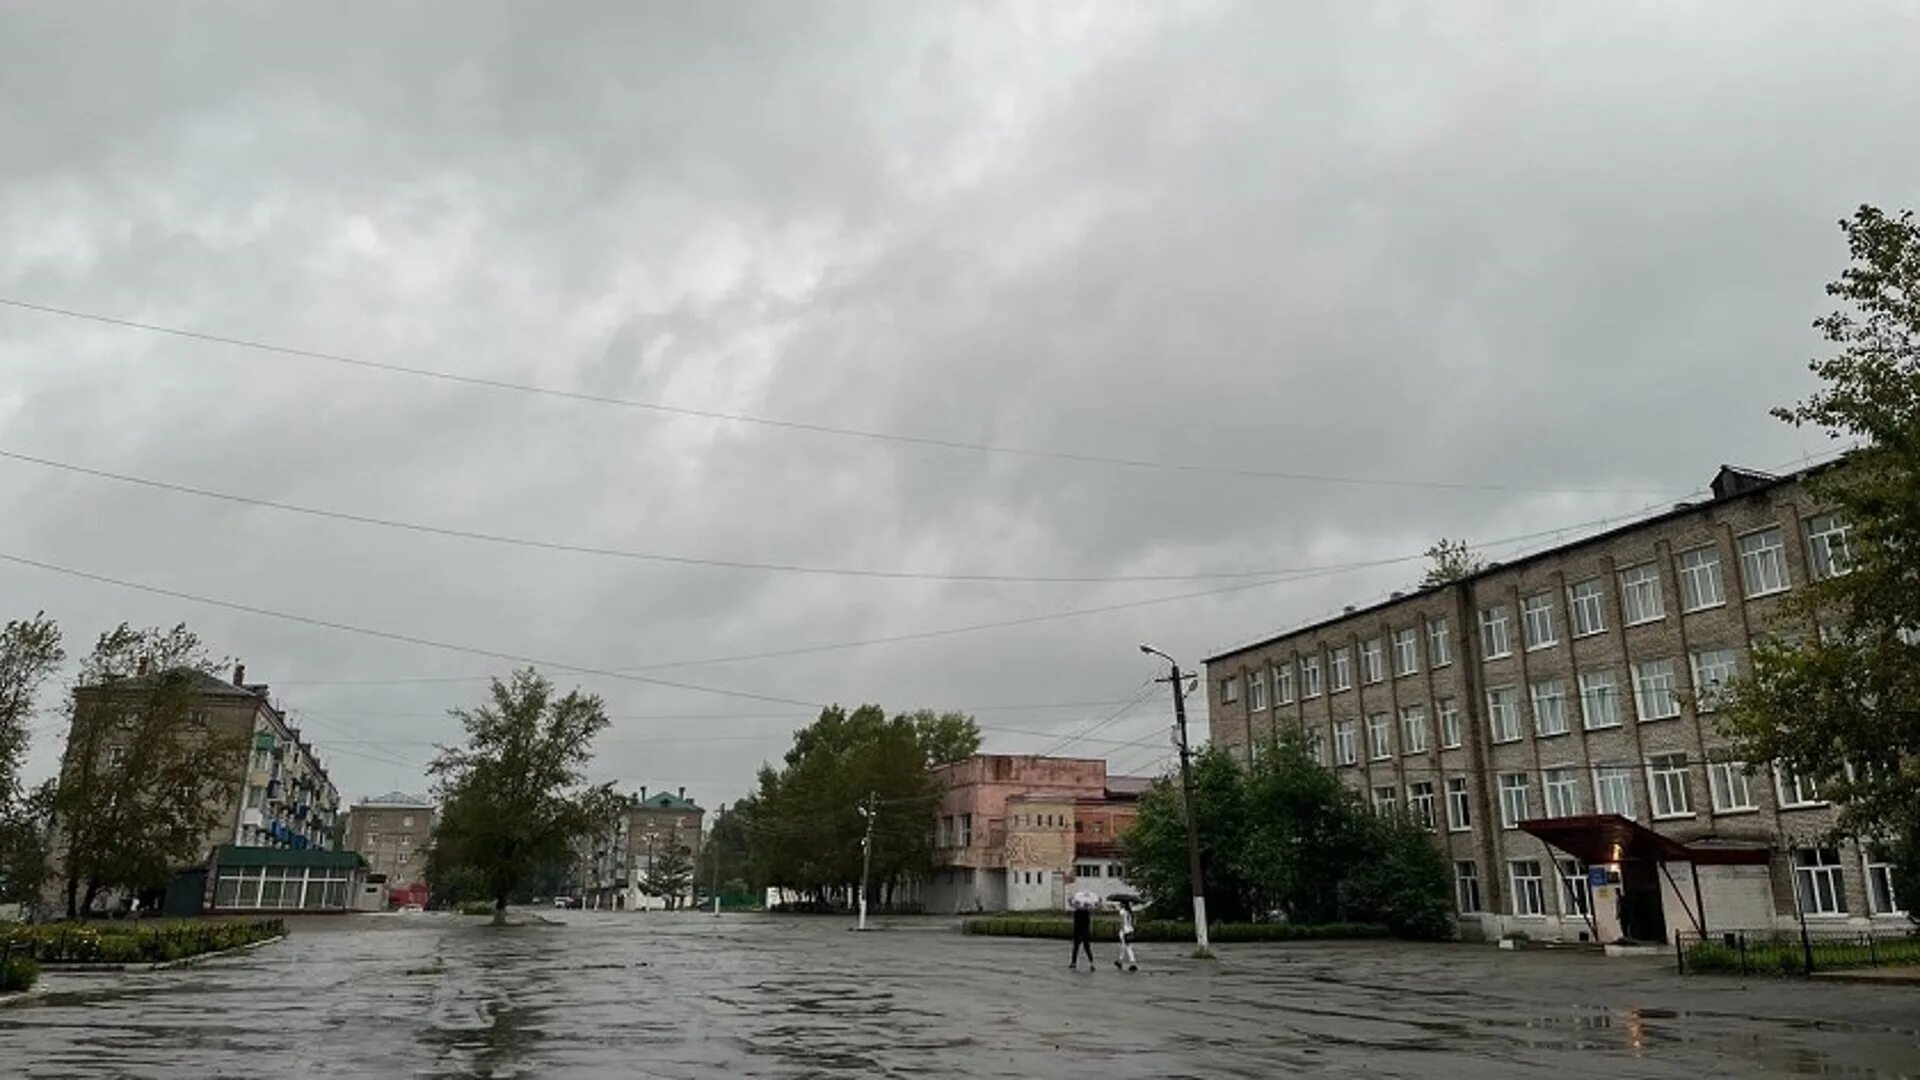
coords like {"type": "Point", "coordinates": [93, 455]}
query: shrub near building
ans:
{"type": "Point", "coordinates": [1283, 837]}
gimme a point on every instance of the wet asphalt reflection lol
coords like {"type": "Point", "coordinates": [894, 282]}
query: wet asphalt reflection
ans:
{"type": "Point", "coordinates": [676, 996]}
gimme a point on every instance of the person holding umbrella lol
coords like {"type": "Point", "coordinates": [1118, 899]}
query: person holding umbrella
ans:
{"type": "Point", "coordinates": [1125, 904]}
{"type": "Point", "coordinates": [1083, 903]}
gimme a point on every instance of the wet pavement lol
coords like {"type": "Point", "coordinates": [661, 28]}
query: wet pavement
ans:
{"type": "Point", "coordinates": [659, 995]}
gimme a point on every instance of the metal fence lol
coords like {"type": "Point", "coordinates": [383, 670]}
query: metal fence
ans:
{"type": "Point", "coordinates": [1802, 951]}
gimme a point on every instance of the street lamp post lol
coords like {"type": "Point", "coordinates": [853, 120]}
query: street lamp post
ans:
{"type": "Point", "coordinates": [1177, 679]}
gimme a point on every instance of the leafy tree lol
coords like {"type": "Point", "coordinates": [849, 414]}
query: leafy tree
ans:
{"type": "Point", "coordinates": [29, 652]}
{"type": "Point", "coordinates": [670, 870]}
{"type": "Point", "coordinates": [1837, 695]}
{"type": "Point", "coordinates": [1286, 835]}
{"type": "Point", "coordinates": [945, 737]}
{"type": "Point", "coordinates": [146, 776]}
{"type": "Point", "coordinates": [803, 824]}
{"type": "Point", "coordinates": [1449, 561]}
{"type": "Point", "coordinates": [514, 798]}
{"type": "Point", "coordinates": [726, 855]}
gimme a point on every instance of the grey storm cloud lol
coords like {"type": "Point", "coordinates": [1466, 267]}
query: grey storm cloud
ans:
{"type": "Point", "coordinates": [1565, 256]}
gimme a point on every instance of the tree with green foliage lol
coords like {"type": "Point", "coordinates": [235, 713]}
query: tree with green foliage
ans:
{"type": "Point", "coordinates": [804, 826]}
{"type": "Point", "coordinates": [30, 650]}
{"type": "Point", "coordinates": [726, 855]}
{"type": "Point", "coordinates": [1449, 561]}
{"type": "Point", "coordinates": [515, 798]}
{"type": "Point", "coordinates": [1835, 695]}
{"type": "Point", "coordinates": [670, 869]}
{"type": "Point", "coordinates": [1285, 835]}
{"type": "Point", "coordinates": [146, 777]}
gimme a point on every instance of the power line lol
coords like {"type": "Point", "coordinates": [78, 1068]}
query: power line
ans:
{"type": "Point", "coordinates": [388, 635]}
{"type": "Point", "coordinates": [616, 553]}
{"type": "Point", "coordinates": [789, 425]}
{"type": "Point", "coordinates": [1146, 691]}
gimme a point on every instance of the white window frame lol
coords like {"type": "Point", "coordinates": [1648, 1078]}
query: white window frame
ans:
{"type": "Point", "coordinates": [1373, 661]}
{"type": "Point", "coordinates": [1702, 585]}
{"type": "Point", "coordinates": [1605, 779]}
{"type": "Point", "coordinates": [1385, 799]}
{"type": "Point", "coordinates": [1451, 737]}
{"type": "Point", "coordinates": [1283, 683]}
{"type": "Point", "coordinates": [1420, 803]}
{"type": "Point", "coordinates": [1795, 790]}
{"type": "Point", "coordinates": [1670, 786]}
{"type": "Point", "coordinates": [1340, 669]}
{"type": "Point", "coordinates": [1819, 883]}
{"type": "Point", "coordinates": [1496, 639]}
{"type": "Point", "coordinates": [1561, 785]}
{"type": "Point", "coordinates": [1549, 697]}
{"type": "Point", "coordinates": [1439, 642]}
{"type": "Point", "coordinates": [1256, 691]}
{"type": "Point", "coordinates": [1587, 607]}
{"type": "Point", "coordinates": [1828, 536]}
{"type": "Point", "coordinates": [1515, 800]}
{"type": "Point", "coordinates": [1729, 780]}
{"type": "Point", "coordinates": [1466, 886]}
{"type": "Point", "coordinates": [1459, 805]}
{"type": "Point", "coordinates": [1406, 652]}
{"type": "Point", "coordinates": [1529, 888]}
{"type": "Point", "coordinates": [1763, 553]}
{"type": "Point", "coordinates": [1309, 677]}
{"type": "Point", "coordinates": [1713, 669]}
{"type": "Point", "coordinates": [1536, 622]}
{"type": "Point", "coordinates": [1641, 599]}
{"type": "Point", "coordinates": [1346, 739]}
{"type": "Point", "coordinates": [1413, 729]}
{"type": "Point", "coordinates": [1503, 714]}
{"type": "Point", "coordinates": [1653, 682]}
{"type": "Point", "coordinates": [1379, 736]}
{"type": "Point", "coordinates": [1576, 896]}
{"type": "Point", "coordinates": [1878, 875]}
{"type": "Point", "coordinates": [1599, 684]}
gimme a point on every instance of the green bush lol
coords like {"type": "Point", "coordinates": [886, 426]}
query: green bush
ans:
{"type": "Point", "coordinates": [18, 973]}
{"type": "Point", "coordinates": [475, 907]}
{"type": "Point", "coordinates": [134, 943]}
{"type": "Point", "coordinates": [1786, 955]}
{"type": "Point", "coordinates": [1056, 927]}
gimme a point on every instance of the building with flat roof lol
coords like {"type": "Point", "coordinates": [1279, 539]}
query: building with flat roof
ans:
{"type": "Point", "coordinates": [1022, 832]}
{"type": "Point", "coordinates": [1550, 719]}
{"type": "Point", "coordinates": [394, 833]}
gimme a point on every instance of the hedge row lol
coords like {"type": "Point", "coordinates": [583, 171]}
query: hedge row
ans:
{"type": "Point", "coordinates": [1787, 956]}
{"type": "Point", "coordinates": [122, 943]}
{"type": "Point", "coordinates": [1047, 926]}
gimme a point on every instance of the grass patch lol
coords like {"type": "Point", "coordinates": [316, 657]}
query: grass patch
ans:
{"type": "Point", "coordinates": [1051, 926]}
{"type": "Point", "coordinates": [133, 943]}
{"type": "Point", "coordinates": [475, 907]}
{"type": "Point", "coordinates": [1784, 954]}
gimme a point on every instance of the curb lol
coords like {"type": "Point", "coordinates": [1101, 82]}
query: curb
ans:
{"type": "Point", "coordinates": [19, 997]}
{"type": "Point", "coordinates": [1857, 978]}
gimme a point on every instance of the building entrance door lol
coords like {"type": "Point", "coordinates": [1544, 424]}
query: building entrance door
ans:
{"type": "Point", "coordinates": [1643, 915]}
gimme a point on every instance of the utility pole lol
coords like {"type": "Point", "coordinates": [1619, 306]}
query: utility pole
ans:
{"type": "Point", "coordinates": [870, 811]}
{"type": "Point", "coordinates": [713, 852]}
{"type": "Point", "coordinates": [1186, 797]}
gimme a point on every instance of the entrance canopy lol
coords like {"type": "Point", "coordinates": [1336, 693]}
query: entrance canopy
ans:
{"type": "Point", "coordinates": [1610, 838]}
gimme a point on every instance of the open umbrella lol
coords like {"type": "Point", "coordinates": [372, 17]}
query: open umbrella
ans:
{"type": "Point", "coordinates": [1084, 900]}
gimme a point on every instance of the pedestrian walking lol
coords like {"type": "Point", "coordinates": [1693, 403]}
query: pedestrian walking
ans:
{"type": "Point", "coordinates": [1126, 935]}
{"type": "Point", "coordinates": [1083, 905]}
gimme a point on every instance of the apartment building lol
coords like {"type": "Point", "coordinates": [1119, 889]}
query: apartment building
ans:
{"type": "Point", "coordinates": [1551, 721]}
{"type": "Point", "coordinates": [394, 833]}
{"type": "Point", "coordinates": [614, 866]}
{"type": "Point", "coordinates": [1023, 832]}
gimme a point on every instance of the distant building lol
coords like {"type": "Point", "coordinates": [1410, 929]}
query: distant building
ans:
{"type": "Point", "coordinates": [277, 792]}
{"type": "Point", "coordinates": [394, 832]}
{"type": "Point", "coordinates": [1551, 721]}
{"type": "Point", "coordinates": [614, 867]}
{"type": "Point", "coordinates": [1024, 832]}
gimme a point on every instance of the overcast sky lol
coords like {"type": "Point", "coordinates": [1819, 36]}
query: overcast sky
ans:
{"type": "Point", "coordinates": [1512, 267]}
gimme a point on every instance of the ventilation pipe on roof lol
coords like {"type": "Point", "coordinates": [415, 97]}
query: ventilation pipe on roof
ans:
{"type": "Point", "coordinates": [239, 674]}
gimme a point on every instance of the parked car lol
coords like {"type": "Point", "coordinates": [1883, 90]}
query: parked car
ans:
{"type": "Point", "coordinates": [564, 902]}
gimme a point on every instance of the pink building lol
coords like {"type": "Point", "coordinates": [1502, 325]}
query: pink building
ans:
{"type": "Point", "coordinates": [1019, 832]}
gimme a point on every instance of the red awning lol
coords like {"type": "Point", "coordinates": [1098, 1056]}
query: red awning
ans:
{"type": "Point", "coordinates": [1610, 838]}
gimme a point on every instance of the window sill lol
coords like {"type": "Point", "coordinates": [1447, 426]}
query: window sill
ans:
{"type": "Point", "coordinates": [1406, 674]}
{"type": "Point", "coordinates": [1704, 607]}
{"type": "Point", "coordinates": [1508, 655]}
{"type": "Point", "coordinates": [1380, 757]}
{"type": "Point", "coordinates": [1459, 828]}
{"type": "Point", "coordinates": [1450, 746]}
{"type": "Point", "coordinates": [1589, 634]}
{"type": "Point", "coordinates": [1769, 592]}
{"type": "Point", "coordinates": [1543, 645]}
{"type": "Point", "coordinates": [1647, 622]}
{"type": "Point", "coordinates": [1506, 742]}
{"type": "Point", "coordinates": [1688, 816]}
{"type": "Point", "coordinates": [1550, 734]}
{"type": "Point", "coordinates": [1658, 719]}
{"type": "Point", "coordinates": [1440, 666]}
{"type": "Point", "coordinates": [1615, 726]}
{"type": "Point", "coordinates": [1735, 811]}
{"type": "Point", "coordinates": [1805, 806]}
{"type": "Point", "coordinates": [1420, 752]}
